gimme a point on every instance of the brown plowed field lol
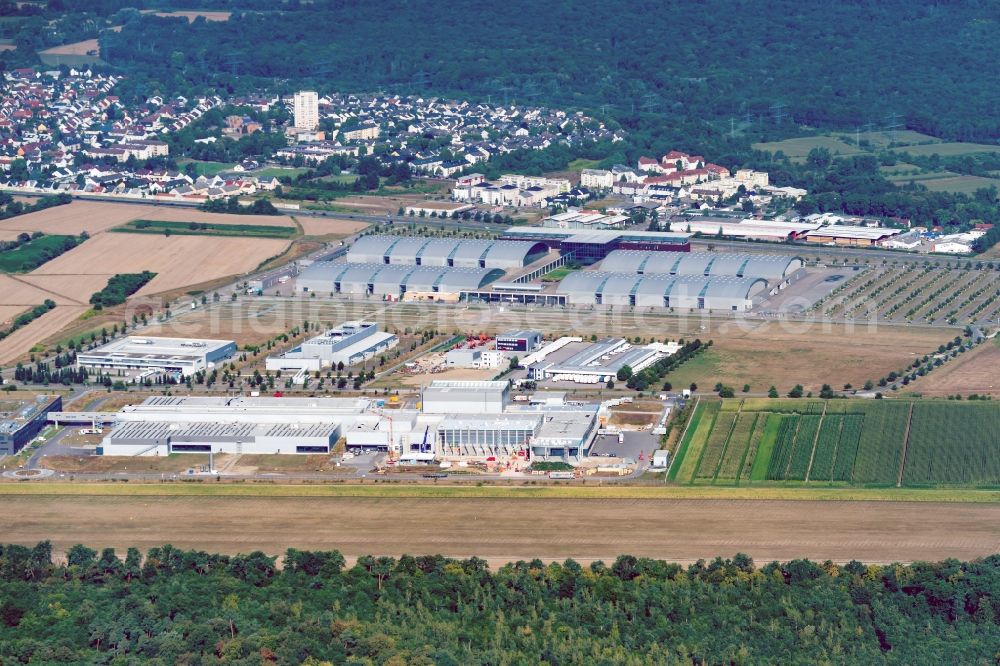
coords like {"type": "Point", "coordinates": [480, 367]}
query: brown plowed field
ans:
{"type": "Point", "coordinates": [324, 226]}
{"type": "Point", "coordinates": [96, 216]}
{"type": "Point", "coordinates": [503, 530]}
{"type": "Point", "coordinates": [71, 289]}
{"type": "Point", "coordinates": [178, 260]}
{"type": "Point", "coordinates": [977, 371]}
{"type": "Point", "coordinates": [23, 339]}
{"type": "Point", "coordinates": [8, 312]}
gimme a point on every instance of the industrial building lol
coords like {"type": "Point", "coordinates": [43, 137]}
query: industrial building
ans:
{"type": "Point", "coordinates": [455, 420]}
{"type": "Point", "coordinates": [350, 343]}
{"type": "Point", "coordinates": [184, 356]}
{"type": "Point", "coordinates": [445, 397]}
{"type": "Point", "coordinates": [589, 246]}
{"type": "Point", "coordinates": [393, 281]}
{"type": "Point", "coordinates": [444, 252]}
{"type": "Point", "coordinates": [600, 362]}
{"type": "Point", "coordinates": [519, 341]}
{"type": "Point", "coordinates": [771, 267]}
{"type": "Point", "coordinates": [20, 426]}
{"type": "Point", "coordinates": [695, 292]}
{"type": "Point", "coordinates": [164, 425]}
{"type": "Point", "coordinates": [480, 359]}
{"type": "Point", "coordinates": [843, 234]}
{"type": "Point", "coordinates": [475, 420]}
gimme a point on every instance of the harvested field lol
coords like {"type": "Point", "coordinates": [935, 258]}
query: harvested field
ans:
{"type": "Point", "coordinates": [15, 291]}
{"type": "Point", "coordinates": [70, 288]}
{"type": "Point", "coordinates": [22, 340]}
{"type": "Point", "coordinates": [8, 312]}
{"type": "Point", "coordinates": [676, 530]}
{"type": "Point", "coordinates": [178, 261]}
{"type": "Point", "coordinates": [95, 217]}
{"type": "Point", "coordinates": [975, 371]}
{"type": "Point", "coordinates": [76, 48]}
{"type": "Point", "coordinates": [325, 226]}
{"type": "Point", "coordinates": [192, 15]}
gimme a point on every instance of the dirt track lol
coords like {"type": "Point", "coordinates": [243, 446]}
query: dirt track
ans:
{"type": "Point", "coordinates": [503, 530]}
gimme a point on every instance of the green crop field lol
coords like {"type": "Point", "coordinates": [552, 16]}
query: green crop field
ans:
{"type": "Point", "coordinates": [914, 443]}
{"type": "Point", "coordinates": [797, 149]}
{"type": "Point", "coordinates": [207, 229]}
{"type": "Point", "coordinates": [949, 149]}
{"type": "Point", "coordinates": [34, 254]}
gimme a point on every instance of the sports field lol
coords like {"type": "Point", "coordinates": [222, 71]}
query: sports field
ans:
{"type": "Point", "coordinates": [508, 529]}
{"type": "Point", "coordinates": [840, 443]}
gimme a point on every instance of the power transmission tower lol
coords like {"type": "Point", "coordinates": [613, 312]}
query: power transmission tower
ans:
{"type": "Point", "coordinates": [650, 102]}
{"type": "Point", "coordinates": [777, 113]}
{"type": "Point", "coordinates": [233, 60]}
{"type": "Point", "coordinates": [892, 124]}
{"type": "Point", "coordinates": [732, 127]}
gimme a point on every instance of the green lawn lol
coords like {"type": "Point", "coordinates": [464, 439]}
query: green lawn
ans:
{"type": "Point", "coordinates": [207, 168]}
{"type": "Point", "coordinates": [558, 274]}
{"type": "Point", "coordinates": [278, 172]}
{"type": "Point", "coordinates": [797, 149]}
{"type": "Point", "coordinates": [204, 229]}
{"type": "Point", "coordinates": [580, 164]}
{"type": "Point", "coordinates": [34, 254]}
{"type": "Point", "coordinates": [949, 149]}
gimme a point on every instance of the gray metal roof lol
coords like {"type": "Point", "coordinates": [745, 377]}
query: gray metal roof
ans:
{"type": "Point", "coordinates": [589, 283]}
{"type": "Point", "coordinates": [392, 278]}
{"type": "Point", "coordinates": [412, 250]}
{"type": "Point", "coordinates": [768, 266]}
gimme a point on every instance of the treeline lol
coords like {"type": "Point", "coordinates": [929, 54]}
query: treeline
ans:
{"type": "Point", "coordinates": [232, 206]}
{"type": "Point", "coordinates": [652, 375]}
{"type": "Point", "coordinates": [119, 288]}
{"type": "Point", "coordinates": [22, 239]}
{"type": "Point", "coordinates": [25, 318]}
{"type": "Point", "coordinates": [174, 606]}
{"type": "Point", "coordinates": [675, 59]}
{"type": "Point", "coordinates": [60, 371]}
{"type": "Point", "coordinates": [12, 208]}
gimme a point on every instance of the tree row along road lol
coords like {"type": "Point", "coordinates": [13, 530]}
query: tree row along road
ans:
{"type": "Point", "coordinates": [502, 530]}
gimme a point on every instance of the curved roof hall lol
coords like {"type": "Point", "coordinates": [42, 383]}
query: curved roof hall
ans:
{"type": "Point", "coordinates": [767, 266]}
{"type": "Point", "coordinates": [415, 250]}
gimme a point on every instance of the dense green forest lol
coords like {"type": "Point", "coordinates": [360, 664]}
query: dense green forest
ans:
{"type": "Point", "coordinates": [119, 288]}
{"type": "Point", "coordinates": [839, 64]}
{"type": "Point", "coordinates": [175, 606]}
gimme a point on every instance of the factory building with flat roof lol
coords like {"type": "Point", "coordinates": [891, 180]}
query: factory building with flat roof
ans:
{"type": "Point", "coordinates": [444, 252]}
{"type": "Point", "coordinates": [165, 425]}
{"type": "Point", "coordinates": [22, 424]}
{"type": "Point", "coordinates": [599, 363]}
{"type": "Point", "coordinates": [393, 281]}
{"type": "Point", "coordinates": [695, 292]}
{"type": "Point", "coordinates": [351, 342]}
{"type": "Point", "coordinates": [589, 246]}
{"type": "Point", "coordinates": [456, 420]}
{"type": "Point", "coordinates": [775, 267]}
{"type": "Point", "coordinates": [185, 356]}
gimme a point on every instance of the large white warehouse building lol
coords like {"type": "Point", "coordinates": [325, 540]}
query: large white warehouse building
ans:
{"type": "Point", "coordinates": [164, 425]}
{"type": "Point", "coordinates": [351, 342]}
{"type": "Point", "coordinates": [771, 267]}
{"type": "Point", "coordinates": [661, 291]}
{"type": "Point", "coordinates": [393, 281]}
{"type": "Point", "coordinates": [185, 356]}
